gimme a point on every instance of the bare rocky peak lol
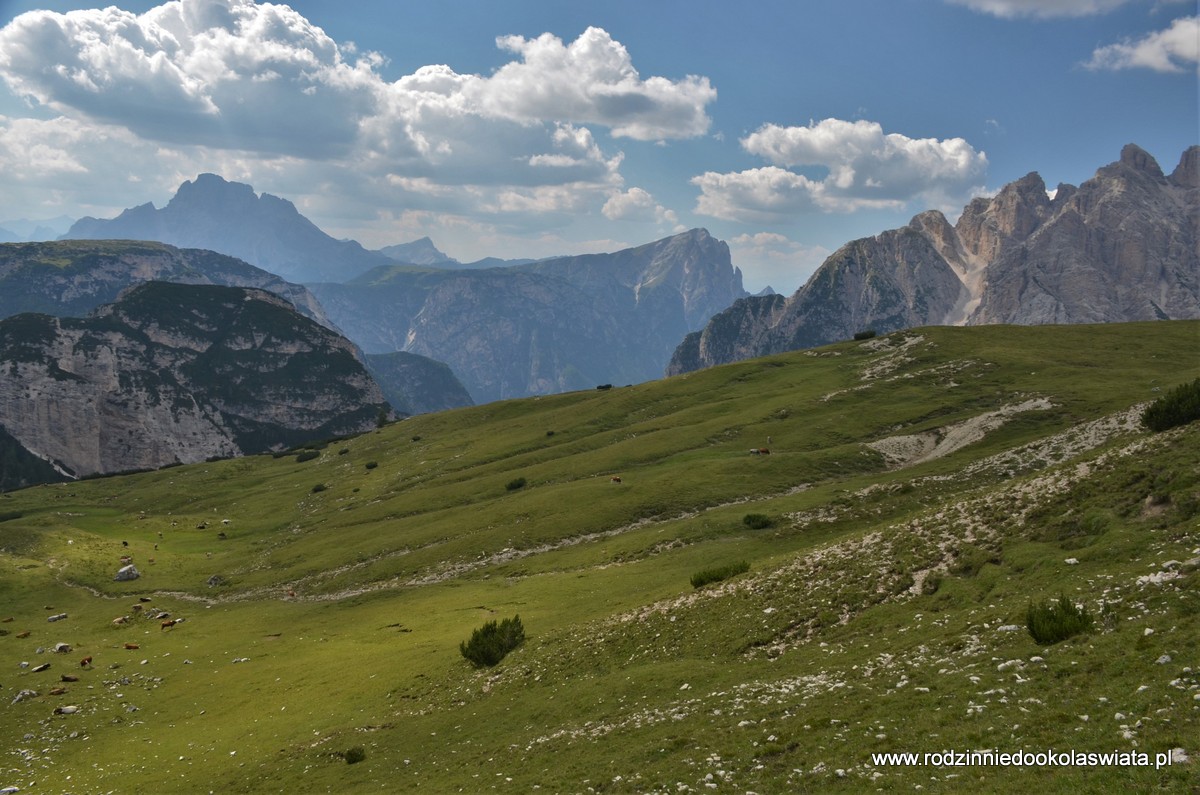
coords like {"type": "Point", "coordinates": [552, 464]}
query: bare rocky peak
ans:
{"type": "Point", "coordinates": [1187, 173]}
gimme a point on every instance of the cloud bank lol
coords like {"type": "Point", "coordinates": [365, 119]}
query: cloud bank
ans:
{"type": "Point", "coordinates": [1176, 49]}
{"type": "Point", "coordinates": [234, 80]}
{"type": "Point", "coordinates": [864, 169]}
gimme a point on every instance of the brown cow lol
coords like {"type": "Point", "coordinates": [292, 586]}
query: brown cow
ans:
{"type": "Point", "coordinates": [24, 634]}
{"type": "Point", "coordinates": [615, 479]}
{"type": "Point", "coordinates": [131, 646]}
{"type": "Point", "coordinates": [58, 691]}
{"type": "Point", "coordinates": [120, 620]}
{"type": "Point", "coordinates": [86, 662]}
{"type": "Point", "coordinates": [170, 622]}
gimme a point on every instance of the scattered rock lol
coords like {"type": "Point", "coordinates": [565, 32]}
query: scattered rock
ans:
{"type": "Point", "coordinates": [38, 669]}
{"type": "Point", "coordinates": [1163, 660]}
{"type": "Point", "coordinates": [68, 710]}
{"type": "Point", "coordinates": [1179, 756]}
{"type": "Point", "coordinates": [57, 617]}
{"type": "Point", "coordinates": [62, 648]}
{"type": "Point", "coordinates": [23, 695]}
{"type": "Point", "coordinates": [126, 573]}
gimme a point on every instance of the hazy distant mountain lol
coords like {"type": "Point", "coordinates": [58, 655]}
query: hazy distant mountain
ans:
{"type": "Point", "coordinates": [546, 326]}
{"type": "Point", "coordinates": [174, 372]}
{"type": "Point", "coordinates": [72, 277]}
{"type": "Point", "coordinates": [23, 230]}
{"type": "Point", "coordinates": [1123, 246]}
{"type": "Point", "coordinates": [418, 252]}
{"type": "Point", "coordinates": [424, 252]}
{"type": "Point", "coordinates": [415, 384]}
{"type": "Point", "coordinates": [228, 217]}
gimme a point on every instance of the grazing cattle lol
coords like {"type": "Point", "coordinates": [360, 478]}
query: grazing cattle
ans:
{"type": "Point", "coordinates": [143, 599]}
{"type": "Point", "coordinates": [131, 646]}
{"type": "Point", "coordinates": [58, 691]}
{"type": "Point", "coordinates": [124, 543]}
{"type": "Point", "coordinates": [71, 710]}
{"type": "Point", "coordinates": [39, 668]}
{"type": "Point", "coordinates": [62, 648]}
{"type": "Point", "coordinates": [136, 607]}
{"type": "Point", "coordinates": [23, 634]}
{"type": "Point", "coordinates": [170, 622]}
{"type": "Point", "coordinates": [86, 662]}
{"type": "Point", "coordinates": [69, 678]}
{"type": "Point", "coordinates": [615, 479]}
{"type": "Point", "coordinates": [121, 620]}
{"type": "Point", "coordinates": [202, 526]}
{"type": "Point", "coordinates": [226, 521]}
{"type": "Point", "coordinates": [291, 593]}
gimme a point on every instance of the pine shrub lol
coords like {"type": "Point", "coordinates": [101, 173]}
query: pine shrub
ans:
{"type": "Point", "coordinates": [756, 521]}
{"type": "Point", "coordinates": [515, 483]}
{"type": "Point", "coordinates": [307, 455]}
{"type": "Point", "coordinates": [1178, 407]}
{"type": "Point", "coordinates": [490, 643]}
{"type": "Point", "coordinates": [319, 488]}
{"type": "Point", "coordinates": [1050, 622]}
{"type": "Point", "coordinates": [718, 573]}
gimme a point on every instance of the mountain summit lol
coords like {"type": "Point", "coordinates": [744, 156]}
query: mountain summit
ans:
{"type": "Point", "coordinates": [229, 217]}
{"type": "Point", "coordinates": [1123, 246]}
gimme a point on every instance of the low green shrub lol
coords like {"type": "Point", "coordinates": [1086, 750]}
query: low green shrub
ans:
{"type": "Point", "coordinates": [354, 755]}
{"type": "Point", "coordinates": [319, 488]}
{"type": "Point", "coordinates": [865, 335]}
{"type": "Point", "coordinates": [515, 483]}
{"type": "Point", "coordinates": [372, 464]}
{"type": "Point", "coordinates": [307, 455]}
{"type": "Point", "coordinates": [343, 451]}
{"type": "Point", "coordinates": [1178, 407]}
{"type": "Point", "coordinates": [718, 573]}
{"type": "Point", "coordinates": [492, 642]}
{"type": "Point", "coordinates": [757, 521]}
{"type": "Point", "coordinates": [1050, 622]}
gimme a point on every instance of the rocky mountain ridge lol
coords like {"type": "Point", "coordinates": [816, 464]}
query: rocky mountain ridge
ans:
{"type": "Point", "coordinates": [264, 230]}
{"type": "Point", "coordinates": [1123, 246]}
{"type": "Point", "coordinates": [178, 373]}
{"type": "Point", "coordinates": [547, 326]}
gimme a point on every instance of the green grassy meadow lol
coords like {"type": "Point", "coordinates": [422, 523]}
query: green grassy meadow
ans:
{"type": "Point", "coordinates": [883, 611]}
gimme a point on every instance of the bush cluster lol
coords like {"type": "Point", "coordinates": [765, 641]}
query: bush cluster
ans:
{"type": "Point", "coordinates": [1178, 407]}
{"type": "Point", "coordinates": [515, 483]}
{"type": "Point", "coordinates": [718, 573]}
{"type": "Point", "coordinates": [307, 455]}
{"type": "Point", "coordinates": [319, 488]}
{"type": "Point", "coordinates": [372, 464]}
{"type": "Point", "coordinates": [354, 755]}
{"type": "Point", "coordinates": [865, 335]}
{"type": "Point", "coordinates": [490, 643]}
{"type": "Point", "coordinates": [1053, 621]}
{"type": "Point", "coordinates": [756, 521]}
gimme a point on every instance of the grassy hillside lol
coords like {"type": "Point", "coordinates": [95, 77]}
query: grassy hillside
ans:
{"type": "Point", "coordinates": [922, 490]}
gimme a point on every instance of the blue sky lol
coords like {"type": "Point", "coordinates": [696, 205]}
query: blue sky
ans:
{"type": "Point", "coordinates": [537, 128]}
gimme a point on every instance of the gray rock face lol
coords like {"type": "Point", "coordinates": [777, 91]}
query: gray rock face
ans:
{"type": "Point", "coordinates": [127, 573]}
{"type": "Point", "coordinates": [178, 373]}
{"type": "Point", "coordinates": [548, 326]}
{"type": "Point", "coordinates": [1124, 246]}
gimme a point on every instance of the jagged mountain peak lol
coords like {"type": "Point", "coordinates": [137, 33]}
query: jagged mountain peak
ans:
{"type": "Point", "coordinates": [1187, 173]}
{"type": "Point", "coordinates": [1122, 246]}
{"type": "Point", "coordinates": [1137, 158]}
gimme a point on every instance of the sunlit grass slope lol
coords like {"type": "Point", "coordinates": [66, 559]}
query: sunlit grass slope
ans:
{"type": "Point", "coordinates": [922, 490]}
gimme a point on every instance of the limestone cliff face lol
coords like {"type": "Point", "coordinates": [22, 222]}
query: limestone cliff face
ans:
{"type": "Point", "coordinates": [548, 326]}
{"type": "Point", "coordinates": [1123, 246]}
{"type": "Point", "coordinates": [177, 373]}
{"type": "Point", "coordinates": [72, 278]}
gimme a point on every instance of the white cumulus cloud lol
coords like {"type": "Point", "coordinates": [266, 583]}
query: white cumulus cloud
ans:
{"type": "Point", "coordinates": [257, 84]}
{"type": "Point", "coordinates": [1176, 49]}
{"type": "Point", "coordinates": [637, 204]}
{"type": "Point", "coordinates": [863, 168]}
{"type": "Point", "coordinates": [1044, 9]}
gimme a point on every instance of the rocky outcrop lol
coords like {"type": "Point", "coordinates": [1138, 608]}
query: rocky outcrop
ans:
{"type": "Point", "coordinates": [178, 373]}
{"type": "Point", "coordinates": [72, 278]}
{"type": "Point", "coordinates": [229, 217]}
{"type": "Point", "coordinates": [1123, 246]}
{"type": "Point", "coordinates": [547, 326]}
